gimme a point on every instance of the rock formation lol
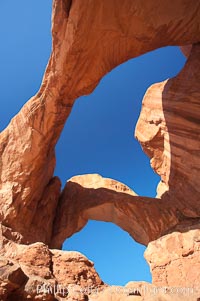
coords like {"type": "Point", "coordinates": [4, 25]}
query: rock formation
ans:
{"type": "Point", "coordinates": [168, 130]}
{"type": "Point", "coordinates": [175, 258]}
{"type": "Point", "coordinates": [91, 197]}
{"type": "Point", "coordinates": [33, 272]}
{"type": "Point", "coordinates": [76, 65]}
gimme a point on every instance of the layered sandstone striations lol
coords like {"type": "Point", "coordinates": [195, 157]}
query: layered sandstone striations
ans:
{"type": "Point", "coordinates": [169, 131]}
{"type": "Point", "coordinates": [78, 61]}
{"type": "Point", "coordinates": [33, 209]}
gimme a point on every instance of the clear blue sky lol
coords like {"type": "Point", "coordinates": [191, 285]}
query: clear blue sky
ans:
{"type": "Point", "coordinates": [98, 136]}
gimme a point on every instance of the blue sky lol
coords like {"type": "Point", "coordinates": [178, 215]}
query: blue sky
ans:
{"type": "Point", "coordinates": [99, 134]}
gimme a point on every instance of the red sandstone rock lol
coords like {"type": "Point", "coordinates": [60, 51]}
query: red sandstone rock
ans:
{"type": "Point", "coordinates": [175, 259]}
{"type": "Point", "coordinates": [37, 272]}
{"type": "Point", "coordinates": [78, 62]}
{"type": "Point", "coordinates": [143, 291]}
{"type": "Point", "coordinates": [168, 130]}
{"type": "Point", "coordinates": [186, 50]}
{"type": "Point", "coordinates": [91, 197]}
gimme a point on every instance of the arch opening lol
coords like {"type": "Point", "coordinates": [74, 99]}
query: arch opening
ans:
{"type": "Point", "coordinates": [113, 252]}
{"type": "Point", "coordinates": [98, 135]}
{"type": "Point", "coordinates": [98, 138]}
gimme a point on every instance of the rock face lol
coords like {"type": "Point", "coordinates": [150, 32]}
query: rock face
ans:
{"type": "Point", "coordinates": [35, 272]}
{"type": "Point", "coordinates": [175, 258]}
{"type": "Point", "coordinates": [142, 291]}
{"type": "Point", "coordinates": [91, 197]}
{"type": "Point", "coordinates": [168, 129]}
{"type": "Point", "coordinates": [78, 62]}
{"type": "Point", "coordinates": [33, 208]}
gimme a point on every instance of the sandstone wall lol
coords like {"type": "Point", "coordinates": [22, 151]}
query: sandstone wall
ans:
{"type": "Point", "coordinates": [90, 38]}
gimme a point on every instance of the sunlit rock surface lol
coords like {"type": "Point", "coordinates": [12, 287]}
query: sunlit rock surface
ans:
{"type": "Point", "coordinates": [90, 38]}
{"type": "Point", "coordinates": [92, 197]}
{"type": "Point", "coordinates": [34, 272]}
{"type": "Point", "coordinates": [175, 258]}
{"type": "Point", "coordinates": [168, 130]}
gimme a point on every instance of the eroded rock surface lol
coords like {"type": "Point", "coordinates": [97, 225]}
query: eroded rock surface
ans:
{"type": "Point", "coordinates": [78, 61]}
{"type": "Point", "coordinates": [92, 197]}
{"type": "Point", "coordinates": [169, 132]}
{"type": "Point", "coordinates": [35, 272]}
{"type": "Point", "coordinates": [175, 258]}
{"type": "Point", "coordinates": [32, 206]}
{"type": "Point", "coordinates": [142, 291]}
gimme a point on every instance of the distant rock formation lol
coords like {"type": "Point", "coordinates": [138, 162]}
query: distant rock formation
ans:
{"type": "Point", "coordinates": [90, 38]}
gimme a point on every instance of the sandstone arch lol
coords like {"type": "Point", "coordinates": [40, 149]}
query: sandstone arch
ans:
{"type": "Point", "coordinates": [91, 197]}
{"type": "Point", "coordinates": [81, 55]}
{"type": "Point", "coordinates": [77, 63]}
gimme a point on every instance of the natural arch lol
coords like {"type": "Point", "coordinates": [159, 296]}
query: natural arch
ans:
{"type": "Point", "coordinates": [116, 256]}
{"type": "Point", "coordinates": [30, 196]}
{"type": "Point", "coordinates": [77, 63]}
{"type": "Point", "coordinates": [93, 197]}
